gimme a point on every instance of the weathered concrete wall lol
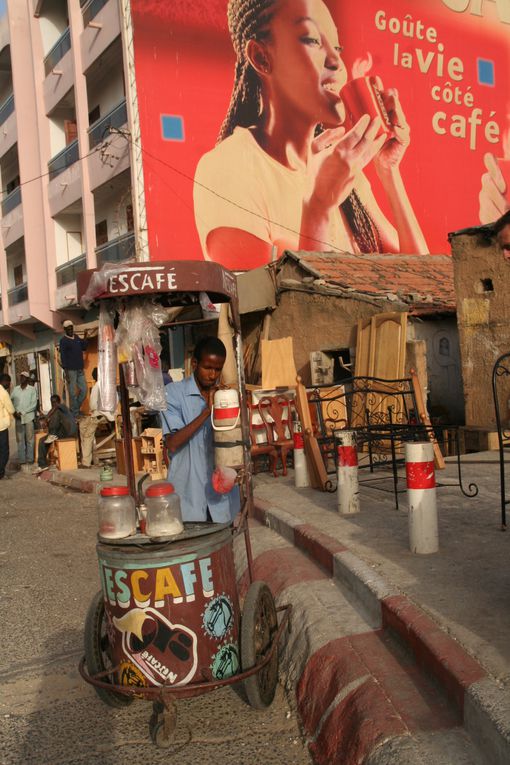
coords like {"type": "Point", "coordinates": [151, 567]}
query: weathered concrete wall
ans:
{"type": "Point", "coordinates": [319, 322]}
{"type": "Point", "coordinates": [482, 285]}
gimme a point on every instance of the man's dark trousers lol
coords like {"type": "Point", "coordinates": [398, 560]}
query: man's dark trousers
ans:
{"type": "Point", "coordinates": [4, 451]}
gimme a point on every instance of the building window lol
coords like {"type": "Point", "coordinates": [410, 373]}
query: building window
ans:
{"type": "Point", "coordinates": [11, 185]}
{"type": "Point", "coordinates": [101, 233]}
{"type": "Point", "coordinates": [130, 224]}
{"type": "Point", "coordinates": [94, 115]}
{"type": "Point", "coordinates": [17, 272]}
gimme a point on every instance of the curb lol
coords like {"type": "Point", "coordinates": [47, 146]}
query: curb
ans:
{"type": "Point", "coordinates": [484, 708]}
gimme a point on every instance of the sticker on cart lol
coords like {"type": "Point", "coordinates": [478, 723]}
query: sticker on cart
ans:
{"type": "Point", "coordinates": [219, 617]}
{"type": "Point", "coordinates": [130, 675]}
{"type": "Point", "coordinates": [165, 653]}
{"type": "Point", "coordinates": [226, 662]}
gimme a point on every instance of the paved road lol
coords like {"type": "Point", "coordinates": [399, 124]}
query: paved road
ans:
{"type": "Point", "coordinates": [48, 715]}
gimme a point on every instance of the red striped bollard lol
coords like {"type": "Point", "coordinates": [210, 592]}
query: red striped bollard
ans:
{"type": "Point", "coordinates": [301, 477]}
{"type": "Point", "coordinates": [421, 496]}
{"type": "Point", "coordinates": [347, 472]}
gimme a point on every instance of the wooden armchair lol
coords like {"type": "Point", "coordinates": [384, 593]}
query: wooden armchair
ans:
{"type": "Point", "coordinates": [261, 437]}
{"type": "Point", "coordinates": [275, 411]}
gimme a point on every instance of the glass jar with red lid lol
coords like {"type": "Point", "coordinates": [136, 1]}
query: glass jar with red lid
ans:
{"type": "Point", "coordinates": [164, 518]}
{"type": "Point", "coordinates": [117, 513]}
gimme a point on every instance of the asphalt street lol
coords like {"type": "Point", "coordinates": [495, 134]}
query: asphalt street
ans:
{"type": "Point", "coordinates": [48, 715]}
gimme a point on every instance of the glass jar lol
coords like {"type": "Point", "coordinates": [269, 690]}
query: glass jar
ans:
{"type": "Point", "coordinates": [117, 513]}
{"type": "Point", "coordinates": [164, 518]}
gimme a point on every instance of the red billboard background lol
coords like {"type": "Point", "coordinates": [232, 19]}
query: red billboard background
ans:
{"type": "Point", "coordinates": [449, 60]}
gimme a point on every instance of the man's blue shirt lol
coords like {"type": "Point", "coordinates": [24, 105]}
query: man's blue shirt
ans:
{"type": "Point", "coordinates": [191, 467]}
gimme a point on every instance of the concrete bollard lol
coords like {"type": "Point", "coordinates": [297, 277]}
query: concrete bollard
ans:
{"type": "Point", "coordinates": [421, 496]}
{"type": "Point", "coordinates": [347, 472]}
{"type": "Point", "coordinates": [301, 476]}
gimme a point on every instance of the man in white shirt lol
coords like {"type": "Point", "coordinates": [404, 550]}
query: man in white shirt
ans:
{"type": "Point", "coordinates": [24, 399]}
{"type": "Point", "coordinates": [6, 414]}
{"type": "Point", "coordinates": [88, 425]}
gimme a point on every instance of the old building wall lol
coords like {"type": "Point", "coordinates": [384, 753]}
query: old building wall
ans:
{"type": "Point", "coordinates": [482, 285]}
{"type": "Point", "coordinates": [318, 322]}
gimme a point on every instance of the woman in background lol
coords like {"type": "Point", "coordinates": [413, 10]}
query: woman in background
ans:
{"type": "Point", "coordinates": [271, 181]}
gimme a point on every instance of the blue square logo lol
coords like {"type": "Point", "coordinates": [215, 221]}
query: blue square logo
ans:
{"type": "Point", "coordinates": [486, 73]}
{"type": "Point", "coordinates": [172, 127]}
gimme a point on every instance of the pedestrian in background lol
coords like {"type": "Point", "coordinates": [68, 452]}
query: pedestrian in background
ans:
{"type": "Point", "coordinates": [88, 425]}
{"type": "Point", "coordinates": [71, 360]}
{"type": "Point", "coordinates": [61, 424]}
{"type": "Point", "coordinates": [24, 400]}
{"type": "Point", "coordinates": [6, 415]}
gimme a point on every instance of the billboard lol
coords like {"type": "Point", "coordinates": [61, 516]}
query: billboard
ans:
{"type": "Point", "coordinates": [303, 124]}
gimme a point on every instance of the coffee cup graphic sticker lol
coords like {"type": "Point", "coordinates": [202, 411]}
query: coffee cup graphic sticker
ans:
{"type": "Point", "coordinates": [165, 653]}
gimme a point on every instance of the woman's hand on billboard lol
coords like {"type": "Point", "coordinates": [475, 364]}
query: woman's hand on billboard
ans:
{"type": "Point", "coordinates": [493, 197]}
{"type": "Point", "coordinates": [395, 147]}
{"type": "Point", "coordinates": [338, 157]}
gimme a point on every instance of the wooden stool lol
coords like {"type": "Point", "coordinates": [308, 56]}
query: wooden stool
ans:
{"type": "Point", "coordinates": [66, 450]}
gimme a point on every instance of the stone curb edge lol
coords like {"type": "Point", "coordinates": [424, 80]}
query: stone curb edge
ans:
{"type": "Point", "coordinates": [483, 706]}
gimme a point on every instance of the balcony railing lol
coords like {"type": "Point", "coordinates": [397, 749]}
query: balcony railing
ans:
{"type": "Point", "coordinates": [18, 294]}
{"type": "Point", "coordinates": [63, 159]}
{"type": "Point", "coordinates": [58, 51]}
{"type": "Point", "coordinates": [11, 201]}
{"type": "Point", "coordinates": [99, 130]}
{"type": "Point", "coordinates": [117, 250]}
{"type": "Point", "coordinates": [91, 9]}
{"type": "Point", "coordinates": [7, 108]}
{"type": "Point", "coordinates": [66, 274]}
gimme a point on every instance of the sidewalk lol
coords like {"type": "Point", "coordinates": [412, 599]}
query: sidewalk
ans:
{"type": "Point", "coordinates": [450, 612]}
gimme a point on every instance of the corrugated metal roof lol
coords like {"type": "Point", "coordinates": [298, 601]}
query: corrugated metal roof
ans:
{"type": "Point", "coordinates": [421, 281]}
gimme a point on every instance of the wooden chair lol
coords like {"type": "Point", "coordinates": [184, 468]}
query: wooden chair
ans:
{"type": "Point", "coordinates": [260, 435]}
{"type": "Point", "coordinates": [276, 412]}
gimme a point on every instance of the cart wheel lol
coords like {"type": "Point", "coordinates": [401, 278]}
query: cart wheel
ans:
{"type": "Point", "coordinates": [96, 651]}
{"type": "Point", "coordinates": [259, 625]}
{"type": "Point", "coordinates": [162, 724]}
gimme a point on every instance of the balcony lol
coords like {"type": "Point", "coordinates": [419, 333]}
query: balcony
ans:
{"type": "Point", "coordinates": [18, 294]}
{"type": "Point", "coordinates": [7, 108]}
{"type": "Point", "coordinates": [115, 119]}
{"type": "Point", "coordinates": [58, 52]}
{"type": "Point", "coordinates": [116, 250]}
{"type": "Point", "coordinates": [11, 201]}
{"type": "Point", "coordinates": [63, 159]}
{"type": "Point", "coordinates": [66, 274]}
{"type": "Point", "coordinates": [91, 9]}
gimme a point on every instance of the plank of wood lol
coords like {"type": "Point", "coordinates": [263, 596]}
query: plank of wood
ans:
{"type": "Point", "coordinates": [424, 417]}
{"type": "Point", "coordinates": [314, 460]}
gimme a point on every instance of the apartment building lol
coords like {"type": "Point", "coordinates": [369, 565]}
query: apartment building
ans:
{"type": "Point", "coordinates": [65, 168]}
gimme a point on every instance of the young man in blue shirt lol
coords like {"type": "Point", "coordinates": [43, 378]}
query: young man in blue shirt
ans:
{"type": "Point", "coordinates": [189, 439]}
{"type": "Point", "coordinates": [71, 359]}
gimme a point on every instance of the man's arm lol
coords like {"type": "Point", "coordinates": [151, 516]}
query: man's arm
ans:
{"type": "Point", "coordinates": [174, 441]}
{"type": "Point", "coordinates": [62, 353]}
{"type": "Point", "coordinates": [7, 401]}
{"type": "Point", "coordinates": [33, 401]}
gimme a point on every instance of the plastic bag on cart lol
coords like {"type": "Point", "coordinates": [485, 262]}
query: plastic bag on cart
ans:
{"type": "Point", "coordinates": [138, 341]}
{"type": "Point", "coordinates": [107, 359]}
{"type": "Point", "coordinates": [98, 284]}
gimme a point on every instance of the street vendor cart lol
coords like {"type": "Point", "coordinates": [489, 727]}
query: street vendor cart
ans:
{"type": "Point", "coordinates": [167, 622]}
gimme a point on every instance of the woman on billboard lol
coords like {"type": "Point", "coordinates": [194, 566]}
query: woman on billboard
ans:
{"type": "Point", "coordinates": [286, 172]}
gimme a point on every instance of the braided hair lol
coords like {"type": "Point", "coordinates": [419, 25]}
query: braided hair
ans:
{"type": "Point", "coordinates": [249, 20]}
